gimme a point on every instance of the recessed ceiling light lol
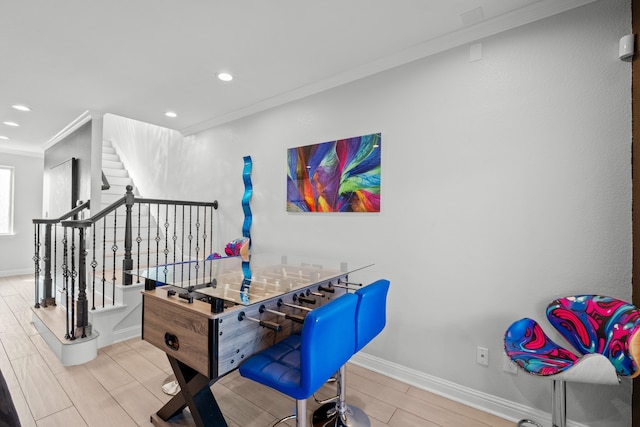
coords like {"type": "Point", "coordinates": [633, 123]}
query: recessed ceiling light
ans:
{"type": "Point", "coordinates": [11, 124]}
{"type": "Point", "coordinates": [4, 137]}
{"type": "Point", "coordinates": [225, 77]}
{"type": "Point", "coordinates": [170, 114]}
{"type": "Point", "coordinates": [21, 107]}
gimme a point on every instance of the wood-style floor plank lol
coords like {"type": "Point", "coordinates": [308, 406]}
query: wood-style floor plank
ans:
{"type": "Point", "coordinates": [123, 385]}
{"type": "Point", "coordinates": [95, 404]}
{"type": "Point", "coordinates": [68, 417]}
{"type": "Point", "coordinates": [41, 389]}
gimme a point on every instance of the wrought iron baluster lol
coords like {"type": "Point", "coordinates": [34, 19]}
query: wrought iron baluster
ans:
{"type": "Point", "coordinates": [74, 274]}
{"type": "Point", "coordinates": [182, 249]}
{"type": "Point", "coordinates": [65, 275]}
{"type": "Point", "coordinates": [190, 238]}
{"type": "Point", "coordinates": [138, 241]}
{"type": "Point", "coordinates": [114, 249]}
{"type": "Point", "coordinates": [55, 261]}
{"type": "Point", "coordinates": [104, 259]}
{"type": "Point", "coordinates": [157, 239]}
{"type": "Point", "coordinates": [211, 247]}
{"type": "Point", "coordinates": [166, 234]}
{"type": "Point", "coordinates": [204, 244]}
{"type": "Point", "coordinates": [197, 242]}
{"type": "Point", "coordinates": [94, 264]}
{"type": "Point", "coordinates": [149, 235]}
{"type": "Point", "coordinates": [175, 236]}
{"type": "Point", "coordinates": [36, 260]}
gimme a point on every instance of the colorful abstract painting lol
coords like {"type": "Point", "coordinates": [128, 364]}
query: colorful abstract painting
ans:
{"type": "Point", "coordinates": [335, 176]}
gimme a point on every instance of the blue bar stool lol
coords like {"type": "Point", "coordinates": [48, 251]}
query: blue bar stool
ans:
{"type": "Point", "coordinates": [299, 365]}
{"type": "Point", "coordinates": [371, 317]}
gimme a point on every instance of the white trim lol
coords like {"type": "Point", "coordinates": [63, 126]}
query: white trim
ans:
{"type": "Point", "coordinates": [18, 272]}
{"type": "Point", "coordinates": [70, 128]}
{"type": "Point", "coordinates": [12, 206]}
{"type": "Point", "coordinates": [483, 29]}
{"type": "Point", "coordinates": [476, 399]}
{"type": "Point", "coordinates": [18, 152]}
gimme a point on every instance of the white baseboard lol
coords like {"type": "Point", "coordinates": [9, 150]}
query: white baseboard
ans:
{"type": "Point", "coordinates": [128, 333]}
{"type": "Point", "coordinates": [18, 272]}
{"type": "Point", "coordinates": [483, 401]}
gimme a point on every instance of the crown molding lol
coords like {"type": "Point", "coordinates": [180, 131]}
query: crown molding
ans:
{"type": "Point", "coordinates": [73, 126]}
{"type": "Point", "coordinates": [540, 10]}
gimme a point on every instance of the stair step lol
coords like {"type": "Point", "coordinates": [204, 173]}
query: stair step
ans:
{"type": "Point", "coordinates": [110, 157]}
{"type": "Point", "coordinates": [114, 172]}
{"type": "Point", "coordinates": [114, 188]}
{"type": "Point", "coordinates": [110, 164]}
{"type": "Point", "coordinates": [119, 180]}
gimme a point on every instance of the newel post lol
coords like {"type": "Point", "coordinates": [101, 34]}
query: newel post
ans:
{"type": "Point", "coordinates": [82, 304]}
{"type": "Point", "coordinates": [127, 262]}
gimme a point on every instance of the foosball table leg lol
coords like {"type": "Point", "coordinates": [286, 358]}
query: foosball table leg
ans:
{"type": "Point", "coordinates": [194, 393]}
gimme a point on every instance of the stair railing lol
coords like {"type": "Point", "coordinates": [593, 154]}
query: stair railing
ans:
{"type": "Point", "coordinates": [114, 246]}
{"type": "Point", "coordinates": [45, 234]}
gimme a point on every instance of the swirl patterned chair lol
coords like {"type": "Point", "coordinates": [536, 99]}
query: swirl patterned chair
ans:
{"type": "Point", "coordinates": [603, 332]}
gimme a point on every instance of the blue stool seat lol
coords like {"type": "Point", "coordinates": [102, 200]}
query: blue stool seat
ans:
{"type": "Point", "coordinates": [278, 367]}
{"type": "Point", "coordinates": [299, 365]}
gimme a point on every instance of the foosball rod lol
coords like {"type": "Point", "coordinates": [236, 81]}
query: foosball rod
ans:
{"type": "Point", "coordinates": [281, 303]}
{"type": "Point", "coordinates": [294, 317]}
{"type": "Point", "coordinates": [269, 325]}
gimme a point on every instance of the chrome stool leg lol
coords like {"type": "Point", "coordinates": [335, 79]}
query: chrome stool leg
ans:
{"type": "Point", "coordinates": [558, 406]}
{"type": "Point", "coordinates": [338, 413]}
{"type": "Point", "coordinates": [523, 423]}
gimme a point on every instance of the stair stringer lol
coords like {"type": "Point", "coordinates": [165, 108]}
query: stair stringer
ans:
{"type": "Point", "coordinates": [123, 319]}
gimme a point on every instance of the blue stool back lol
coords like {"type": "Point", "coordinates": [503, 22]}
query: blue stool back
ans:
{"type": "Point", "coordinates": [328, 338]}
{"type": "Point", "coordinates": [298, 366]}
{"type": "Point", "coordinates": [371, 315]}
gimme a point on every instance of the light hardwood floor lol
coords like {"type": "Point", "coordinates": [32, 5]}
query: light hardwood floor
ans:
{"type": "Point", "coordinates": [122, 386]}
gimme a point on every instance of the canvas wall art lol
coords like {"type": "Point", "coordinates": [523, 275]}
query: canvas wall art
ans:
{"type": "Point", "coordinates": [335, 176]}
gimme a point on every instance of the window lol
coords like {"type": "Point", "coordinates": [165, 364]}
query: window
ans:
{"type": "Point", "coordinates": [6, 200]}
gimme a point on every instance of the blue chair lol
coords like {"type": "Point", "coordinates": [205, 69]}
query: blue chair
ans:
{"type": "Point", "coordinates": [299, 365]}
{"type": "Point", "coordinates": [371, 318]}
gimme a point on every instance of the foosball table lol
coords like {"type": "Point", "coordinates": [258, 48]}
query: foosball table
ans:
{"type": "Point", "coordinates": [210, 315]}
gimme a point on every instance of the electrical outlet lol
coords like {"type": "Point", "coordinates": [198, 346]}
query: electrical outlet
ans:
{"type": "Point", "coordinates": [482, 356]}
{"type": "Point", "coordinates": [508, 365]}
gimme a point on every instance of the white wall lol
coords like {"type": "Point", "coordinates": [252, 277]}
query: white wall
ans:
{"type": "Point", "coordinates": [506, 183]}
{"type": "Point", "coordinates": [16, 251]}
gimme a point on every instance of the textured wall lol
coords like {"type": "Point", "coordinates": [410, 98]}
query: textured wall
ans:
{"type": "Point", "coordinates": [506, 182]}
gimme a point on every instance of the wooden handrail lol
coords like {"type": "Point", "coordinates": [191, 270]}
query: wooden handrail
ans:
{"type": "Point", "coordinates": [72, 212]}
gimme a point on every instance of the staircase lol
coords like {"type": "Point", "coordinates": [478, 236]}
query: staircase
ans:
{"type": "Point", "coordinates": [120, 316]}
{"type": "Point", "coordinates": [81, 261]}
{"type": "Point", "coordinates": [117, 315]}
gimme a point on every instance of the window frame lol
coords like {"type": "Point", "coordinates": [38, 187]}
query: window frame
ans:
{"type": "Point", "coordinates": [12, 179]}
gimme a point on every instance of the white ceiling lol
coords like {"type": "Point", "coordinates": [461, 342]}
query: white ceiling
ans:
{"type": "Point", "coordinates": [141, 58]}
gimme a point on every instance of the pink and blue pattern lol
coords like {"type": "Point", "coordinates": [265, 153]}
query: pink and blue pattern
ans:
{"type": "Point", "coordinates": [527, 345]}
{"type": "Point", "coordinates": [598, 324]}
{"type": "Point", "coordinates": [591, 323]}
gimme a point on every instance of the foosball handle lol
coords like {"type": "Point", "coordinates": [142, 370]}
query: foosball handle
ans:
{"type": "Point", "coordinates": [187, 296]}
{"type": "Point", "coordinates": [303, 298]}
{"type": "Point", "coordinates": [265, 324]}
{"type": "Point", "coordinates": [294, 317]}
{"type": "Point", "coordinates": [330, 289]}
